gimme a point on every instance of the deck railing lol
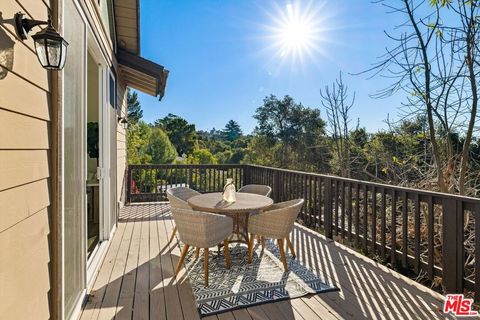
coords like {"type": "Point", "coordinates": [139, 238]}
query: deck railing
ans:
{"type": "Point", "coordinates": [426, 234]}
{"type": "Point", "coordinates": [147, 183]}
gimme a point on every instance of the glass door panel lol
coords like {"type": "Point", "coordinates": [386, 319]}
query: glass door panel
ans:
{"type": "Point", "coordinates": [93, 155]}
{"type": "Point", "coordinates": [113, 150]}
{"type": "Point", "coordinates": [73, 158]}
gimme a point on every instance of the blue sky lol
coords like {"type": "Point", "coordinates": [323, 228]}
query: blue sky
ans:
{"type": "Point", "coordinates": [223, 60]}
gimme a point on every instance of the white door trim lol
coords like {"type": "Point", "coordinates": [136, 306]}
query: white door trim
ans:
{"type": "Point", "coordinates": [93, 262]}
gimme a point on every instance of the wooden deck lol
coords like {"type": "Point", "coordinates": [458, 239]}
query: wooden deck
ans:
{"type": "Point", "coordinates": [136, 280]}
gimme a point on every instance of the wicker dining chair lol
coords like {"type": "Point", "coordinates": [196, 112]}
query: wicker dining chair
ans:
{"type": "Point", "coordinates": [275, 222]}
{"type": "Point", "coordinates": [257, 189]}
{"type": "Point", "coordinates": [202, 230]}
{"type": "Point", "coordinates": [178, 197]}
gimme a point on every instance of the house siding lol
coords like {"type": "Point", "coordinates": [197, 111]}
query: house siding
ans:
{"type": "Point", "coordinates": [25, 170]}
{"type": "Point", "coordinates": [27, 164]}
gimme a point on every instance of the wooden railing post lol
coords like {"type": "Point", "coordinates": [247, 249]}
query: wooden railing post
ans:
{"type": "Point", "coordinates": [246, 175]}
{"type": "Point", "coordinates": [276, 185]}
{"type": "Point", "coordinates": [453, 255]}
{"type": "Point", "coordinates": [328, 214]}
{"type": "Point", "coordinates": [129, 183]}
{"type": "Point", "coordinates": [190, 177]}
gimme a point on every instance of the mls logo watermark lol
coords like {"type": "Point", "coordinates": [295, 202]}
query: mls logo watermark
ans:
{"type": "Point", "coordinates": [460, 306]}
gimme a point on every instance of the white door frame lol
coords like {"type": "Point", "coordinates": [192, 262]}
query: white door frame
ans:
{"type": "Point", "coordinates": [104, 128]}
{"type": "Point", "coordinates": [102, 172]}
{"type": "Point", "coordinates": [113, 118]}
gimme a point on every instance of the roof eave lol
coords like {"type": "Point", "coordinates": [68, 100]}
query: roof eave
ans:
{"type": "Point", "coordinates": [146, 67]}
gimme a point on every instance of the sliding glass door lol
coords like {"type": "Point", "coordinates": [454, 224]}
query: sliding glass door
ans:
{"type": "Point", "coordinates": [89, 157]}
{"type": "Point", "coordinates": [74, 159]}
{"type": "Point", "coordinates": [93, 156]}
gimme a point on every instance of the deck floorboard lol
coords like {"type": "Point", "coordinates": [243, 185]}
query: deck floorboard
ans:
{"type": "Point", "coordinates": [136, 279]}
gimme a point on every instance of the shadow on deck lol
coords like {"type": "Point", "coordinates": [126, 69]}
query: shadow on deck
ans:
{"type": "Point", "coordinates": [136, 279]}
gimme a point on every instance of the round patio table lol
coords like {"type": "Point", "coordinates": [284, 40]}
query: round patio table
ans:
{"type": "Point", "coordinates": [238, 210]}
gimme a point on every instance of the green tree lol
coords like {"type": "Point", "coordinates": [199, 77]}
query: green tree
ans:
{"type": "Point", "coordinates": [225, 156]}
{"type": "Point", "coordinates": [138, 137]}
{"type": "Point", "coordinates": [262, 152]}
{"type": "Point", "coordinates": [201, 156]}
{"type": "Point", "coordinates": [134, 110]}
{"type": "Point", "coordinates": [298, 130]}
{"type": "Point", "coordinates": [232, 130]}
{"type": "Point", "coordinates": [359, 139]}
{"type": "Point", "coordinates": [237, 156]}
{"type": "Point", "coordinates": [160, 148]}
{"type": "Point", "coordinates": [181, 133]}
{"type": "Point", "coordinates": [146, 144]}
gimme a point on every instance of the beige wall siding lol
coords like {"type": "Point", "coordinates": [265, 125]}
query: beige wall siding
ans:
{"type": "Point", "coordinates": [121, 142]}
{"type": "Point", "coordinates": [26, 163]}
{"type": "Point", "coordinates": [25, 114]}
{"type": "Point", "coordinates": [93, 15]}
{"type": "Point", "coordinates": [25, 268]}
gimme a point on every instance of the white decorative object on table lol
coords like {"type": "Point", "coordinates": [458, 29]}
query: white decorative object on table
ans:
{"type": "Point", "coordinates": [229, 191]}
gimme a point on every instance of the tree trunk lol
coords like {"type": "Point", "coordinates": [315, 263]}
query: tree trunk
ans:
{"type": "Point", "coordinates": [473, 84]}
{"type": "Point", "coordinates": [428, 100]}
{"type": "Point", "coordinates": [436, 152]}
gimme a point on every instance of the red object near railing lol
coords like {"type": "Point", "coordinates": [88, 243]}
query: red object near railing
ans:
{"type": "Point", "coordinates": [133, 186]}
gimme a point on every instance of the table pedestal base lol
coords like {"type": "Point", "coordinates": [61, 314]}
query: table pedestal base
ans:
{"type": "Point", "coordinates": [240, 229]}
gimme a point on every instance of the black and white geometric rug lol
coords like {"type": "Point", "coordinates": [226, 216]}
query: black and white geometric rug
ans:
{"type": "Point", "coordinates": [245, 284]}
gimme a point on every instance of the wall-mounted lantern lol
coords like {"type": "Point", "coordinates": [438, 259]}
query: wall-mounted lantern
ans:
{"type": "Point", "coordinates": [123, 122]}
{"type": "Point", "coordinates": [50, 46]}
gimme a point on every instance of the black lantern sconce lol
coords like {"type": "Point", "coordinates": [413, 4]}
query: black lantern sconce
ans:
{"type": "Point", "coordinates": [123, 122]}
{"type": "Point", "coordinates": [50, 46]}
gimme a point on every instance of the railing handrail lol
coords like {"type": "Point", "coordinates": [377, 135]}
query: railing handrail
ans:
{"type": "Point", "coordinates": [471, 200]}
{"type": "Point", "coordinates": [182, 165]}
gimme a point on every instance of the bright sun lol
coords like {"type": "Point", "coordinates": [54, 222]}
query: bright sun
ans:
{"type": "Point", "coordinates": [297, 32]}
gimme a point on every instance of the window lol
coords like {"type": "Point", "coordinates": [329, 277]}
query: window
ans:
{"type": "Point", "coordinates": [113, 91]}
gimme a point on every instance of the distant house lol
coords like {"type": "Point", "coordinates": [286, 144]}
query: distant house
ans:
{"type": "Point", "coordinates": [63, 149]}
{"type": "Point", "coordinates": [181, 158]}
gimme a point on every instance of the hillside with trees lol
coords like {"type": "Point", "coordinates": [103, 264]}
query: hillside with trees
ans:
{"type": "Point", "coordinates": [290, 135]}
{"type": "Point", "coordinates": [433, 59]}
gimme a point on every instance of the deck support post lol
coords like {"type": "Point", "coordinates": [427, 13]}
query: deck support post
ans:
{"type": "Point", "coordinates": [453, 251]}
{"type": "Point", "coordinates": [328, 208]}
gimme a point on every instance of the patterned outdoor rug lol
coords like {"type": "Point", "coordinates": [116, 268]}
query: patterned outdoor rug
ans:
{"type": "Point", "coordinates": [246, 284]}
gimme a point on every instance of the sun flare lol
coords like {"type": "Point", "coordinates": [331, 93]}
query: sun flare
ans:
{"type": "Point", "coordinates": [297, 30]}
{"type": "Point", "coordinates": [295, 33]}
